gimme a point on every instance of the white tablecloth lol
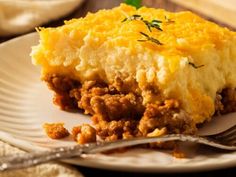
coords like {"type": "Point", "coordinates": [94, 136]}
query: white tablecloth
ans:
{"type": "Point", "coordinates": [44, 170]}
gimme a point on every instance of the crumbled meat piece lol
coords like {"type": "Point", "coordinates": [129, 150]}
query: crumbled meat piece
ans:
{"type": "Point", "coordinates": [229, 100]}
{"type": "Point", "coordinates": [61, 84]}
{"type": "Point", "coordinates": [56, 130]}
{"type": "Point", "coordinates": [177, 153]}
{"type": "Point", "coordinates": [84, 134]}
{"type": "Point", "coordinates": [107, 102]}
{"type": "Point", "coordinates": [116, 107]}
{"type": "Point", "coordinates": [166, 115]}
{"type": "Point", "coordinates": [116, 129]}
{"type": "Point", "coordinates": [89, 90]}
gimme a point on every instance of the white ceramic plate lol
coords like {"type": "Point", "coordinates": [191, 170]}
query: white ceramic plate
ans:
{"type": "Point", "coordinates": [26, 103]}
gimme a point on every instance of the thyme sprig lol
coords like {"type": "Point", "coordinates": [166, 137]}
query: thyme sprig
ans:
{"type": "Point", "coordinates": [195, 66]}
{"type": "Point", "coordinates": [148, 38]}
{"type": "Point", "coordinates": [153, 24]}
{"type": "Point", "coordinates": [133, 17]}
{"type": "Point", "coordinates": [149, 24]}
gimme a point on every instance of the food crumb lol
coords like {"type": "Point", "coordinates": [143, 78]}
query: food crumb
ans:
{"type": "Point", "coordinates": [177, 153]}
{"type": "Point", "coordinates": [56, 130]}
{"type": "Point", "coordinates": [84, 134]}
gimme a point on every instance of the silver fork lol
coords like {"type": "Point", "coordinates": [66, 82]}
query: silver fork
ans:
{"type": "Point", "coordinates": [225, 140]}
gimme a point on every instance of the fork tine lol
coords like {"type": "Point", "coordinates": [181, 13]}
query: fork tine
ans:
{"type": "Point", "coordinates": [227, 135]}
{"type": "Point", "coordinates": [229, 139]}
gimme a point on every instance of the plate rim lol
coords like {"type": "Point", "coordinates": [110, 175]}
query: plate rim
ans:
{"type": "Point", "coordinates": [24, 145]}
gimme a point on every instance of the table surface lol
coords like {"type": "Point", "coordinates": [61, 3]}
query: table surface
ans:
{"type": "Point", "coordinates": [93, 6]}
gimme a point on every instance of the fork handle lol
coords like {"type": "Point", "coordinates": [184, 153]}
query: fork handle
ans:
{"type": "Point", "coordinates": [34, 158]}
{"type": "Point", "coordinates": [24, 160]}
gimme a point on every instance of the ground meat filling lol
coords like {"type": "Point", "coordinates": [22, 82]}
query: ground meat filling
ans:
{"type": "Point", "coordinates": [118, 114]}
{"type": "Point", "coordinates": [228, 100]}
{"type": "Point", "coordinates": [62, 86]}
{"type": "Point", "coordinates": [168, 115]}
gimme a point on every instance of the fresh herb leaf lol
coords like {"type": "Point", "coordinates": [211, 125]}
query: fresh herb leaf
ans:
{"type": "Point", "coordinates": [148, 38]}
{"type": "Point", "coordinates": [156, 21]}
{"type": "Point", "coordinates": [135, 3]}
{"type": "Point", "coordinates": [133, 17]}
{"type": "Point", "coordinates": [153, 24]}
{"type": "Point", "coordinates": [195, 66]}
{"type": "Point", "coordinates": [150, 25]}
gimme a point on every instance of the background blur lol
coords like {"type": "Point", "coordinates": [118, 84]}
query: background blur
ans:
{"type": "Point", "coordinates": [22, 16]}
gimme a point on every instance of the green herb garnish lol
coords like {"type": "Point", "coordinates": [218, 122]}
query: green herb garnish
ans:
{"type": "Point", "coordinates": [150, 25]}
{"type": "Point", "coordinates": [133, 17]}
{"type": "Point", "coordinates": [153, 24]}
{"type": "Point", "coordinates": [195, 66]}
{"type": "Point", "coordinates": [148, 38]}
{"type": "Point", "coordinates": [135, 3]}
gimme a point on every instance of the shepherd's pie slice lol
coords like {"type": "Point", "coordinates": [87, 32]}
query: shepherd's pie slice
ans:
{"type": "Point", "coordinates": [143, 72]}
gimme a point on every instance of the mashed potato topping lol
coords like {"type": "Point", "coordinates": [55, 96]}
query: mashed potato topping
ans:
{"type": "Point", "coordinates": [196, 60]}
